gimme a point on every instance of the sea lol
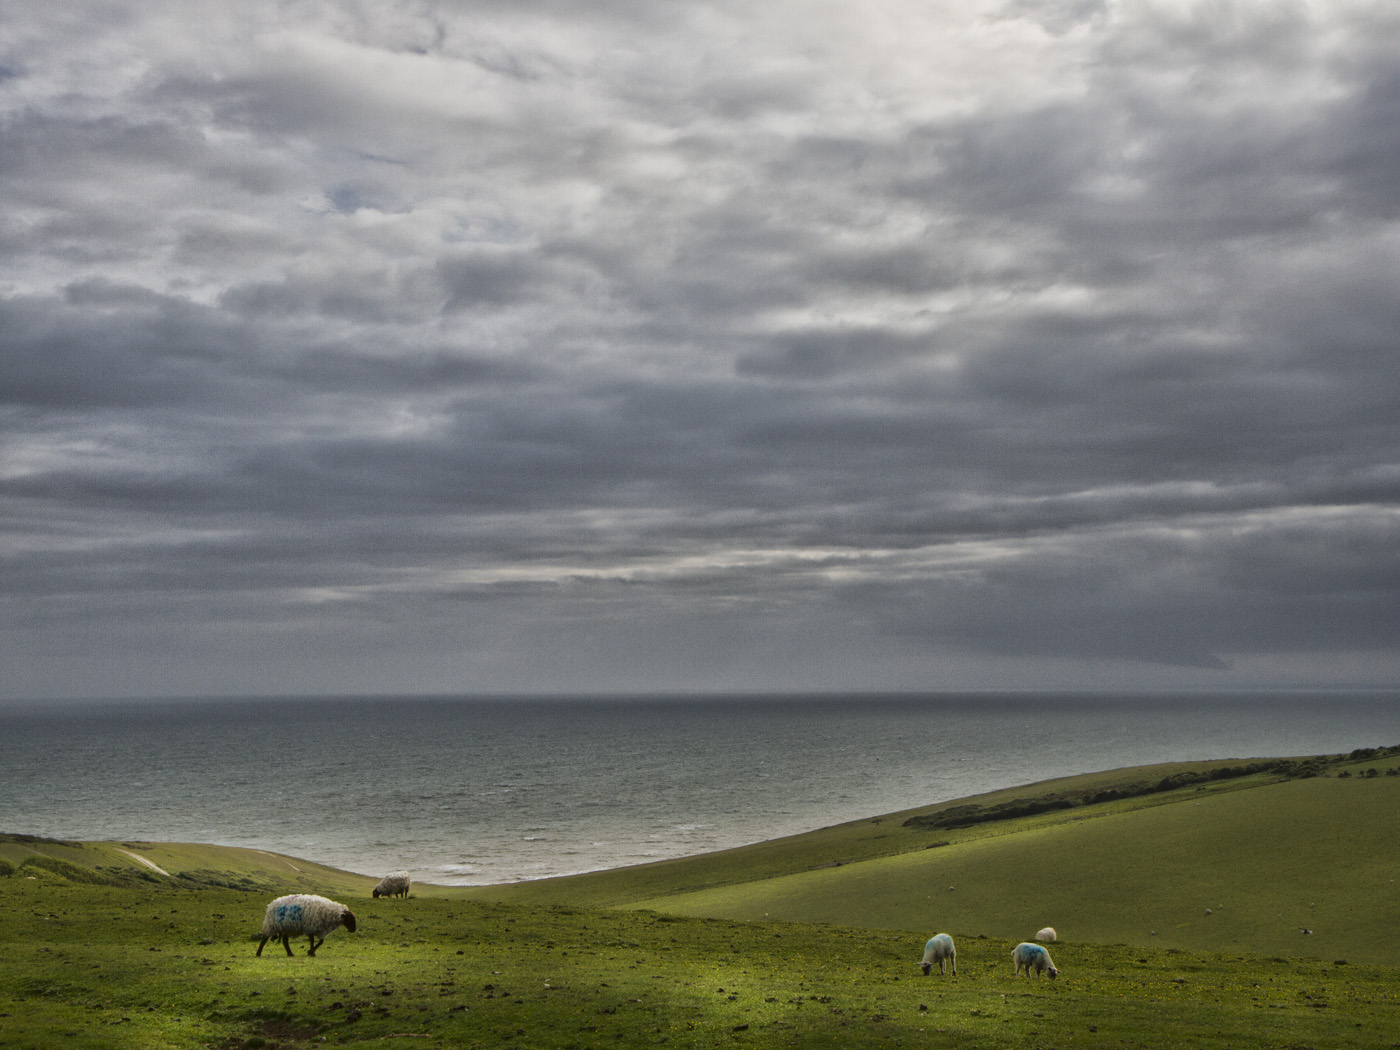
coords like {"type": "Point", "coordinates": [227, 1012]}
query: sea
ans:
{"type": "Point", "coordinates": [490, 790]}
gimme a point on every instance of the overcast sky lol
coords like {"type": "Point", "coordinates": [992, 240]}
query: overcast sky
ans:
{"type": "Point", "coordinates": [533, 345]}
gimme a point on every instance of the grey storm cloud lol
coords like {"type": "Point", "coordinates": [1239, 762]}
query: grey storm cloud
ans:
{"type": "Point", "coordinates": [534, 346]}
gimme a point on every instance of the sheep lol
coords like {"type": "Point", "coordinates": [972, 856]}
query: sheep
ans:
{"type": "Point", "coordinates": [1033, 957]}
{"type": "Point", "coordinates": [299, 913]}
{"type": "Point", "coordinates": [395, 884]}
{"type": "Point", "coordinates": [940, 950]}
{"type": "Point", "coordinates": [1047, 935]}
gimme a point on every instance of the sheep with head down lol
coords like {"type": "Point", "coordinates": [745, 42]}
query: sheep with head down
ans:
{"type": "Point", "coordinates": [1047, 935]}
{"type": "Point", "coordinates": [1033, 957]}
{"type": "Point", "coordinates": [940, 950]}
{"type": "Point", "coordinates": [306, 914]}
{"type": "Point", "coordinates": [395, 884]}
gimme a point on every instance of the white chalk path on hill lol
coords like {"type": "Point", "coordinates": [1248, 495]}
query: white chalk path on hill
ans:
{"type": "Point", "coordinates": [274, 856]}
{"type": "Point", "coordinates": [143, 860]}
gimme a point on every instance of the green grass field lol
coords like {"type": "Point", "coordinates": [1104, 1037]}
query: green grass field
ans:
{"type": "Point", "coordinates": [1180, 894]}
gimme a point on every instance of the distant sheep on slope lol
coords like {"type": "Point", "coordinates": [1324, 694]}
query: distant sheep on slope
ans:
{"type": "Point", "coordinates": [1047, 935]}
{"type": "Point", "coordinates": [395, 884]}
{"type": "Point", "coordinates": [1033, 957]}
{"type": "Point", "coordinates": [304, 913]}
{"type": "Point", "coordinates": [940, 950]}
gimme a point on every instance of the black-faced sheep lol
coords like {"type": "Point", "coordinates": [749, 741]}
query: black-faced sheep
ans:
{"type": "Point", "coordinates": [1030, 957]}
{"type": "Point", "coordinates": [940, 950]}
{"type": "Point", "coordinates": [304, 913]}
{"type": "Point", "coordinates": [395, 884]}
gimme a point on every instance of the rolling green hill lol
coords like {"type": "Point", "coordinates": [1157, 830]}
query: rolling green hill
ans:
{"type": "Point", "coordinates": [1217, 856]}
{"type": "Point", "coordinates": [1180, 893]}
{"type": "Point", "coordinates": [177, 865]}
{"type": "Point", "coordinates": [1246, 871]}
{"type": "Point", "coordinates": [1234, 863]}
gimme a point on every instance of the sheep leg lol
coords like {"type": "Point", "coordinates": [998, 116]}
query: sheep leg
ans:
{"type": "Point", "coordinates": [285, 944]}
{"type": "Point", "coordinates": [260, 945]}
{"type": "Point", "coordinates": [315, 943]}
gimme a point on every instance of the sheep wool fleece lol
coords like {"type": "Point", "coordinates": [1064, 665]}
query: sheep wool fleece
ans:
{"type": "Point", "coordinates": [304, 913]}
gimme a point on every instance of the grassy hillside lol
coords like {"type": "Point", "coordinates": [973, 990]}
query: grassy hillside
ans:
{"type": "Point", "coordinates": [811, 941]}
{"type": "Point", "coordinates": [1245, 862]}
{"type": "Point", "coordinates": [172, 864]}
{"type": "Point", "coordinates": [182, 865]}
{"type": "Point", "coordinates": [94, 967]}
{"type": "Point", "coordinates": [879, 836]}
{"type": "Point", "coordinates": [1249, 871]}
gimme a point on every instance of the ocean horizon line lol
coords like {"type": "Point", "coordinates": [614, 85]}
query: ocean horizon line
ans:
{"type": "Point", "coordinates": [1154, 693]}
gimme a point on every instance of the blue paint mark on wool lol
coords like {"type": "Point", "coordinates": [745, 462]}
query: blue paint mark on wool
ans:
{"type": "Point", "coordinates": [289, 913]}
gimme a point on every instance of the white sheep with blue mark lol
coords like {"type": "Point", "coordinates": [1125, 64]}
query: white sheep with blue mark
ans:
{"type": "Point", "coordinates": [940, 950]}
{"type": "Point", "coordinates": [304, 913]}
{"type": "Point", "coordinates": [395, 884]}
{"type": "Point", "coordinates": [1033, 957]}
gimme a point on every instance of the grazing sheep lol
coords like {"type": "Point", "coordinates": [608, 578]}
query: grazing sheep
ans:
{"type": "Point", "coordinates": [1033, 957]}
{"type": "Point", "coordinates": [940, 950]}
{"type": "Point", "coordinates": [1047, 935]}
{"type": "Point", "coordinates": [393, 885]}
{"type": "Point", "coordinates": [299, 913]}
